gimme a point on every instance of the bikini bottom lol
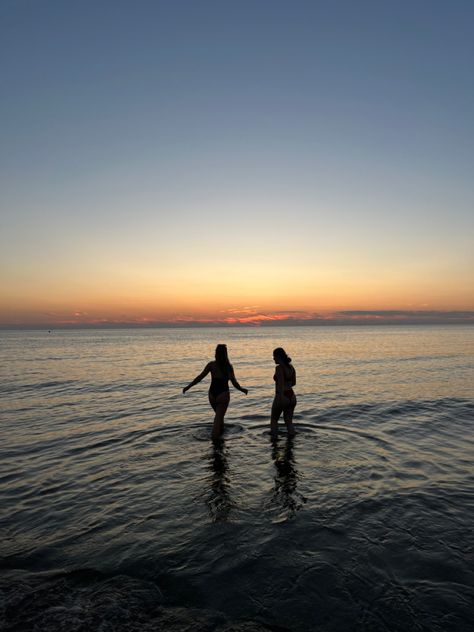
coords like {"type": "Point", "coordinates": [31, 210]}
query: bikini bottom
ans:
{"type": "Point", "coordinates": [215, 392]}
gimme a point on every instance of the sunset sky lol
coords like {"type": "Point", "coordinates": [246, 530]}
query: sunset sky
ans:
{"type": "Point", "coordinates": [236, 161]}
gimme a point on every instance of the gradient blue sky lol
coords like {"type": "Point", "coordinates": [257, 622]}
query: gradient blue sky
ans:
{"type": "Point", "coordinates": [197, 159]}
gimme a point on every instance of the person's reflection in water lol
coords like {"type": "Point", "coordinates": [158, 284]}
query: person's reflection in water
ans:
{"type": "Point", "coordinates": [219, 501]}
{"type": "Point", "coordinates": [285, 492]}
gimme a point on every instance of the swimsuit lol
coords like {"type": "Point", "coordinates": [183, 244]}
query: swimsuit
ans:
{"type": "Point", "coordinates": [288, 392]}
{"type": "Point", "coordinates": [219, 385]}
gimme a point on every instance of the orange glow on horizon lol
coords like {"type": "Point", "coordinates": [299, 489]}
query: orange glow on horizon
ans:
{"type": "Point", "coordinates": [245, 295]}
{"type": "Point", "coordinates": [253, 316]}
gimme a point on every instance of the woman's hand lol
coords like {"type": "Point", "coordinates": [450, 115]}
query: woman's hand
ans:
{"type": "Point", "coordinates": [244, 390]}
{"type": "Point", "coordinates": [185, 389]}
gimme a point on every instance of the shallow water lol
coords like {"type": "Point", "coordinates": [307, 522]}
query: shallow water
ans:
{"type": "Point", "coordinates": [110, 490]}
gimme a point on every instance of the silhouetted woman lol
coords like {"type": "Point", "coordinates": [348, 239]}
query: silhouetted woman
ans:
{"type": "Point", "coordinates": [221, 371]}
{"type": "Point", "coordinates": [285, 398]}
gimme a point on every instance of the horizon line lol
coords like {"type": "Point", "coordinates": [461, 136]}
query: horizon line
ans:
{"type": "Point", "coordinates": [255, 319]}
{"type": "Point", "coordinates": [197, 325]}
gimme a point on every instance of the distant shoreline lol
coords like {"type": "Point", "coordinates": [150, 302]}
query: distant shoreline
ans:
{"type": "Point", "coordinates": [119, 326]}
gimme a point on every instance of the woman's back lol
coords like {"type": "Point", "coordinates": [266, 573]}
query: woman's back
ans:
{"type": "Point", "coordinates": [218, 372]}
{"type": "Point", "coordinates": [220, 379]}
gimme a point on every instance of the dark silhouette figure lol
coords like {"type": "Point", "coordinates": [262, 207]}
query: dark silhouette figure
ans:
{"type": "Point", "coordinates": [285, 398]}
{"type": "Point", "coordinates": [219, 501]}
{"type": "Point", "coordinates": [221, 371]}
{"type": "Point", "coordinates": [286, 478]}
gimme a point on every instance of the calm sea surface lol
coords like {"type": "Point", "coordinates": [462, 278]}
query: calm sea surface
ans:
{"type": "Point", "coordinates": [116, 512]}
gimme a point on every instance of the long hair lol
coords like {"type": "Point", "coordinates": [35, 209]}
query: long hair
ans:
{"type": "Point", "coordinates": [222, 360]}
{"type": "Point", "coordinates": [281, 354]}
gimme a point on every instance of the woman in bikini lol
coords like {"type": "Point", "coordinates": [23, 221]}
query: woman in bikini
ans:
{"type": "Point", "coordinates": [285, 398]}
{"type": "Point", "coordinates": [221, 371]}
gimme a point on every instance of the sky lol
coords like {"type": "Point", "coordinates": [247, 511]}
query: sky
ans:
{"type": "Point", "coordinates": [197, 161]}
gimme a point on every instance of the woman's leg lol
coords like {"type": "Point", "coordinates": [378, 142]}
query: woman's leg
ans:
{"type": "Point", "coordinates": [288, 417]}
{"type": "Point", "coordinates": [276, 412]}
{"type": "Point", "coordinates": [219, 404]}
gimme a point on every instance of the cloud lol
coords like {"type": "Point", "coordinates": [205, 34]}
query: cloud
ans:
{"type": "Point", "coordinates": [246, 316]}
{"type": "Point", "coordinates": [250, 309]}
{"type": "Point", "coordinates": [249, 316]}
{"type": "Point", "coordinates": [413, 316]}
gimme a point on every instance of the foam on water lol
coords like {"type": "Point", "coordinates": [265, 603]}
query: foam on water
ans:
{"type": "Point", "coordinates": [118, 513]}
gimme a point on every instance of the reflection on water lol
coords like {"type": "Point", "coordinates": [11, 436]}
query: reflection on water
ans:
{"type": "Point", "coordinates": [219, 500]}
{"type": "Point", "coordinates": [285, 493]}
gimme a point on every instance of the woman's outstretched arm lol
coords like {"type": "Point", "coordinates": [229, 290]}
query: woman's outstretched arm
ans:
{"type": "Point", "coordinates": [235, 384]}
{"type": "Point", "coordinates": [198, 378]}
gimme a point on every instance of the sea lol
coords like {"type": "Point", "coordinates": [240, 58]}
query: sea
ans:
{"type": "Point", "coordinates": [117, 512]}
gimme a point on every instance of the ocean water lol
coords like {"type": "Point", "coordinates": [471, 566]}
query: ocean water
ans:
{"type": "Point", "coordinates": [117, 512]}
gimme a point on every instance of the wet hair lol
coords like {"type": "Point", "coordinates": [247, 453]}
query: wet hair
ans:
{"type": "Point", "coordinates": [222, 360]}
{"type": "Point", "coordinates": [280, 353]}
